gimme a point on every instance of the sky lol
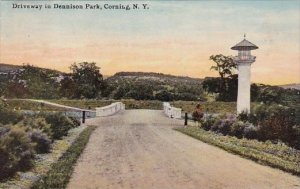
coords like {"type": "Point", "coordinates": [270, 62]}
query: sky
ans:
{"type": "Point", "coordinates": [172, 37]}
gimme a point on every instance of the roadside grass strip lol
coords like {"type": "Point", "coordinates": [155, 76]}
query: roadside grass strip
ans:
{"type": "Point", "coordinates": [59, 174]}
{"type": "Point", "coordinates": [275, 155]}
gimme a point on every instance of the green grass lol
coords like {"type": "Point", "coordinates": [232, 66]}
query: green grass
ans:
{"type": "Point", "coordinates": [210, 107]}
{"type": "Point", "coordinates": [129, 104]}
{"type": "Point", "coordinates": [61, 171]}
{"type": "Point", "coordinates": [274, 155]}
{"type": "Point", "coordinates": [19, 104]}
{"type": "Point", "coordinates": [186, 106]}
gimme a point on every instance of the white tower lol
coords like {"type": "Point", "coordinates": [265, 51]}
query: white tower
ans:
{"type": "Point", "coordinates": [244, 61]}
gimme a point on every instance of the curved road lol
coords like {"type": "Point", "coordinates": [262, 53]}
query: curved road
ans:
{"type": "Point", "coordinates": [138, 149]}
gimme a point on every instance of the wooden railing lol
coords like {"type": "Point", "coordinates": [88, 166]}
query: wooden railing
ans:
{"type": "Point", "coordinates": [110, 109]}
{"type": "Point", "coordinates": [171, 112]}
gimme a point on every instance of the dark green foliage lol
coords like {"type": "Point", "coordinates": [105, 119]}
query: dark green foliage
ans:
{"type": "Point", "coordinates": [16, 89]}
{"type": "Point", "coordinates": [88, 81]}
{"type": "Point", "coordinates": [8, 116]}
{"type": "Point", "coordinates": [254, 92]}
{"type": "Point", "coordinates": [40, 82]}
{"type": "Point", "coordinates": [275, 122]}
{"type": "Point", "coordinates": [140, 91]}
{"type": "Point", "coordinates": [75, 121]}
{"type": "Point", "coordinates": [38, 123]}
{"type": "Point", "coordinates": [153, 86]}
{"type": "Point", "coordinates": [211, 85]}
{"type": "Point", "coordinates": [208, 122]}
{"type": "Point", "coordinates": [224, 65]}
{"type": "Point", "coordinates": [68, 87]}
{"type": "Point", "coordinates": [270, 95]}
{"type": "Point", "coordinates": [250, 131]}
{"type": "Point", "coordinates": [164, 96]}
{"type": "Point", "coordinates": [60, 125]}
{"type": "Point", "coordinates": [61, 171]}
{"type": "Point", "coordinates": [229, 85]}
{"type": "Point", "coordinates": [237, 129]}
{"type": "Point", "coordinates": [41, 140]}
{"type": "Point", "coordinates": [16, 151]}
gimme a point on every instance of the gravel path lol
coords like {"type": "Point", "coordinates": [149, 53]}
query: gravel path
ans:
{"type": "Point", "coordinates": [138, 149]}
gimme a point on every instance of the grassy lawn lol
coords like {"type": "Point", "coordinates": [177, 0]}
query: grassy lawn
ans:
{"type": "Point", "coordinates": [61, 171]}
{"type": "Point", "coordinates": [186, 106]}
{"type": "Point", "coordinates": [129, 104]}
{"type": "Point", "coordinates": [275, 155]}
{"type": "Point", "coordinates": [210, 107]}
{"type": "Point", "coordinates": [19, 104]}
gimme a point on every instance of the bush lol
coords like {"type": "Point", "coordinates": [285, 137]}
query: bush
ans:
{"type": "Point", "coordinates": [16, 152]}
{"type": "Point", "coordinates": [8, 116]}
{"type": "Point", "coordinates": [250, 131]}
{"type": "Point", "coordinates": [60, 125]}
{"type": "Point", "coordinates": [208, 122]}
{"type": "Point", "coordinates": [197, 116]}
{"type": "Point", "coordinates": [38, 123]}
{"type": "Point", "coordinates": [75, 121]}
{"type": "Point", "coordinates": [41, 140]}
{"type": "Point", "coordinates": [237, 129]}
{"type": "Point", "coordinates": [274, 122]}
{"type": "Point", "coordinates": [224, 124]}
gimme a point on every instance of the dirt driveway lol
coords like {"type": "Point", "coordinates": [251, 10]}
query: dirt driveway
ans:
{"type": "Point", "coordinates": [138, 149]}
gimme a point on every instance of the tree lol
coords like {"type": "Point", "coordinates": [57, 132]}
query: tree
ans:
{"type": "Point", "coordinates": [164, 96]}
{"type": "Point", "coordinates": [270, 95]}
{"type": "Point", "coordinates": [226, 85]}
{"type": "Point", "coordinates": [211, 85]}
{"type": "Point", "coordinates": [68, 87]}
{"type": "Point", "coordinates": [88, 80]}
{"type": "Point", "coordinates": [224, 65]}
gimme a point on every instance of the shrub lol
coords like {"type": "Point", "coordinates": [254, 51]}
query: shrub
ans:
{"type": "Point", "coordinates": [60, 125]}
{"type": "Point", "coordinates": [16, 152]}
{"type": "Point", "coordinates": [197, 116]}
{"type": "Point", "coordinates": [8, 116]}
{"type": "Point", "coordinates": [38, 123]}
{"type": "Point", "coordinates": [208, 122]}
{"type": "Point", "coordinates": [224, 124]}
{"type": "Point", "coordinates": [237, 129]}
{"type": "Point", "coordinates": [75, 121]}
{"type": "Point", "coordinates": [41, 140]}
{"type": "Point", "coordinates": [250, 131]}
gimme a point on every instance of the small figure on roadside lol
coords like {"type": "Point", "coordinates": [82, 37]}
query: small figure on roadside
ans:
{"type": "Point", "coordinates": [198, 115]}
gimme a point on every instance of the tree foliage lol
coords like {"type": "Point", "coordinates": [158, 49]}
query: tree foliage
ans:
{"type": "Point", "coordinates": [224, 65]}
{"type": "Point", "coordinates": [226, 84]}
{"type": "Point", "coordinates": [88, 81]}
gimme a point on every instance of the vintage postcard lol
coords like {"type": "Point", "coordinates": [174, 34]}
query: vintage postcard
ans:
{"type": "Point", "coordinates": [161, 94]}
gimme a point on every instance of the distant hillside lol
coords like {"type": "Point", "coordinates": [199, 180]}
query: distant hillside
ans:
{"type": "Point", "coordinates": [149, 85]}
{"type": "Point", "coordinates": [9, 67]}
{"type": "Point", "coordinates": [291, 86]}
{"type": "Point", "coordinates": [155, 76]}
{"type": "Point", "coordinates": [6, 68]}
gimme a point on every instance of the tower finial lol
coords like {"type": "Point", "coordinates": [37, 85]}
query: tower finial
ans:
{"type": "Point", "coordinates": [244, 35]}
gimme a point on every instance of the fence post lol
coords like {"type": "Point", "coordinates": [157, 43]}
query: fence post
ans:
{"type": "Point", "coordinates": [185, 118]}
{"type": "Point", "coordinates": [83, 116]}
